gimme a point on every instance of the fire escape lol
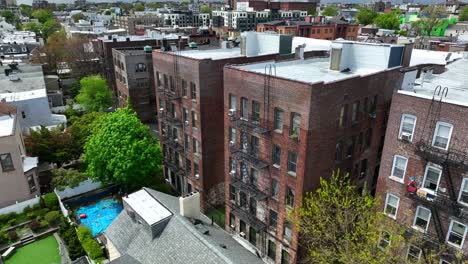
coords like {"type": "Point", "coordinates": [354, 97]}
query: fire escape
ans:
{"type": "Point", "coordinates": [253, 129]}
{"type": "Point", "coordinates": [452, 162]}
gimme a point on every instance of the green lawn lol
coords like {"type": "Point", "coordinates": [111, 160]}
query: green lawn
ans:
{"type": "Point", "coordinates": [218, 215]}
{"type": "Point", "coordinates": [44, 251]}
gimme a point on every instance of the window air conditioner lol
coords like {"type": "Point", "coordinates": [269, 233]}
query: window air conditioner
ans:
{"type": "Point", "coordinates": [231, 143]}
{"type": "Point", "coordinates": [242, 234]}
{"type": "Point", "coordinates": [231, 112]}
{"type": "Point", "coordinates": [197, 176]}
{"type": "Point", "coordinates": [232, 173]}
{"type": "Point", "coordinates": [176, 140]}
{"type": "Point", "coordinates": [233, 227]}
{"type": "Point", "coordinates": [373, 115]}
{"type": "Point", "coordinates": [186, 122]}
{"type": "Point", "coordinates": [406, 136]}
{"type": "Point", "coordinates": [161, 110]}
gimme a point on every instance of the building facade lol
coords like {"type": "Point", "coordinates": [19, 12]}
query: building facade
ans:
{"type": "Point", "coordinates": [278, 116]}
{"type": "Point", "coordinates": [423, 180]}
{"type": "Point", "coordinates": [18, 173]}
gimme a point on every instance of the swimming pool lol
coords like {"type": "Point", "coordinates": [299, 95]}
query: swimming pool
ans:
{"type": "Point", "coordinates": [99, 215]}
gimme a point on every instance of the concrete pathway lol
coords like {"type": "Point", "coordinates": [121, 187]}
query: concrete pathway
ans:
{"type": "Point", "coordinates": [63, 250]}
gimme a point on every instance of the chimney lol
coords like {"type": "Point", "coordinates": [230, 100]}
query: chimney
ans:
{"type": "Point", "coordinates": [405, 62]}
{"type": "Point", "coordinates": [127, 39]}
{"type": "Point", "coordinates": [190, 205]}
{"type": "Point", "coordinates": [299, 52]}
{"type": "Point", "coordinates": [109, 37]}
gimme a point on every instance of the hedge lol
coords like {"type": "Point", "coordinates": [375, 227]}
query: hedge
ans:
{"type": "Point", "coordinates": [53, 218]}
{"type": "Point", "coordinates": [51, 201]}
{"type": "Point", "coordinates": [90, 245]}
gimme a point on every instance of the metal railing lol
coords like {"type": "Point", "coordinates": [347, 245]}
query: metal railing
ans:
{"type": "Point", "coordinates": [249, 157]}
{"type": "Point", "coordinates": [248, 217]}
{"type": "Point", "coordinates": [249, 123]}
{"type": "Point", "coordinates": [240, 184]}
{"type": "Point", "coordinates": [452, 157]}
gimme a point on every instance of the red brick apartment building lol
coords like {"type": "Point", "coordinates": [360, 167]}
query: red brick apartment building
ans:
{"type": "Point", "coordinates": [291, 122]}
{"type": "Point", "coordinates": [260, 5]}
{"type": "Point", "coordinates": [330, 31]}
{"type": "Point", "coordinates": [189, 92]}
{"type": "Point", "coordinates": [423, 180]}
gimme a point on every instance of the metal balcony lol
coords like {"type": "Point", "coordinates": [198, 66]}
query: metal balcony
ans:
{"type": "Point", "coordinates": [173, 166]}
{"type": "Point", "coordinates": [452, 157]}
{"type": "Point", "coordinates": [245, 215]}
{"type": "Point", "coordinates": [250, 124]}
{"type": "Point", "coordinates": [168, 94]}
{"type": "Point", "coordinates": [249, 157]}
{"type": "Point", "coordinates": [169, 118]}
{"type": "Point", "coordinates": [251, 189]}
{"type": "Point", "coordinates": [170, 142]}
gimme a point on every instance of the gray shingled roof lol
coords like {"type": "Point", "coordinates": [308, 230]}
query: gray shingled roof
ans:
{"type": "Point", "coordinates": [180, 242]}
{"type": "Point", "coordinates": [125, 259]}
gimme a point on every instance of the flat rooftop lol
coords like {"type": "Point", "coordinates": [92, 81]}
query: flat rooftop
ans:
{"type": "Point", "coordinates": [454, 78]}
{"type": "Point", "coordinates": [147, 207]}
{"type": "Point", "coordinates": [214, 53]}
{"type": "Point", "coordinates": [7, 125]}
{"type": "Point", "coordinates": [419, 56]}
{"type": "Point", "coordinates": [311, 71]}
{"type": "Point", "coordinates": [29, 84]}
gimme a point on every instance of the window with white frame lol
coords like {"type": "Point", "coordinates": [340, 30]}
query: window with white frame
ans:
{"type": "Point", "coordinates": [385, 239]}
{"type": "Point", "coordinates": [456, 234]}
{"type": "Point", "coordinates": [391, 205]}
{"type": "Point", "coordinates": [408, 123]}
{"type": "Point", "coordinates": [463, 196]}
{"type": "Point", "coordinates": [432, 178]}
{"type": "Point", "coordinates": [422, 218]}
{"type": "Point", "coordinates": [413, 254]}
{"type": "Point", "coordinates": [442, 135]}
{"type": "Point", "coordinates": [399, 167]}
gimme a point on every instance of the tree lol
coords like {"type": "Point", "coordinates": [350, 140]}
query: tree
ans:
{"type": "Point", "coordinates": [463, 16]}
{"type": "Point", "coordinates": [330, 10]}
{"type": "Point", "coordinates": [389, 20]}
{"type": "Point", "coordinates": [94, 93]}
{"type": "Point", "coordinates": [77, 17]}
{"type": "Point", "coordinates": [8, 15]}
{"type": "Point", "coordinates": [312, 11]}
{"type": "Point", "coordinates": [42, 15]}
{"type": "Point", "coordinates": [338, 225]}
{"type": "Point", "coordinates": [49, 27]}
{"type": "Point", "coordinates": [139, 7]}
{"type": "Point", "coordinates": [430, 17]}
{"type": "Point", "coordinates": [366, 16]}
{"type": "Point", "coordinates": [26, 10]}
{"type": "Point", "coordinates": [82, 128]}
{"type": "Point", "coordinates": [122, 150]}
{"type": "Point", "coordinates": [61, 7]}
{"type": "Point", "coordinates": [52, 145]}
{"type": "Point", "coordinates": [205, 9]}
{"type": "Point", "coordinates": [154, 5]}
{"type": "Point", "coordinates": [63, 178]}
{"type": "Point", "coordinates": [107, 13]}
{"type": "Point", "coordinates": [33, 26]}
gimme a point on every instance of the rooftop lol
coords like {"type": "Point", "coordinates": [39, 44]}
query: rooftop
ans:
{"type": "Point", "coordinates": [420, 56]}
{"type": "Point", "coordinates": [147, 207]}
{"type": "Point", "coordinates": [7, 125]}
{"type": "Point", "coordinates": [214, 53]}
{"type": "Point", "coordinates": [30, 83]}
{"type": "Point", "coordinates": [30, 163]}
{"type": "Point", "coordinates": [454, 78]}
{"type": "Point", "coordinates": [181, 241]}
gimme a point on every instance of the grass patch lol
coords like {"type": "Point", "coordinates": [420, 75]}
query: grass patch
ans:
{"type": "Point", "coordinates": [44, 251]}
{"type": "Point", "coordinates": [218, 215]}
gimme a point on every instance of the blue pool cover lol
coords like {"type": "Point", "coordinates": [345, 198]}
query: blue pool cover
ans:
{"type": "Point", "coordinates": [100, 215]}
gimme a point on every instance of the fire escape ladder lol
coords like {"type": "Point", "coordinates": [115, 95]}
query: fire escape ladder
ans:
{"type": "Point", "coordinates": [270, 69]}
{"type": "Point", "coordinates": [438, 225]}
{"type": "Point", "coordinates": [433, 113]}
{"type": "Point", "coordinates": [450, 185]}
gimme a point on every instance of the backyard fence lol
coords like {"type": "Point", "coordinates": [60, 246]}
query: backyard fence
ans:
{"type": "Point", "coordinates": [19, 206]}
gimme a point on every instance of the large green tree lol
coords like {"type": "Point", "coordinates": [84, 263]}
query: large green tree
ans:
{"type": "Point", "coordinates": [33, 26]}
{"type": "Point", "coordinates": [42, 15]}
{"type": "Point", "coordinates": [122, 150]}
{"type": "Point", "coordinates": [389, 20]}
{"type": "Point", "coordinates": [366, 16]}
{"type": "Point", "coordinates": [82, 127]}
{"type": "Point", "coordinates": [430, 17]}
{"type": "Point", "coordinates": [205, 9]}
{"type": "Point", "coordinates": [139, 7]}
{"type": "Point", "coordinates": [8, 15]}
{"type": "Point", "coordinates": [49, 27]}
{"type": "Point", "coordinates": [330, 10]}
{"type": "Point", "coordinates": [94, 93]}
{"type": "Point", "coordinates": [339, 225]}
{"type": "Point", "coordinates": [25, 10]}
{"type": "Point", "coordinates": [76, 17]}
{"type": "Point", "coordinates": [63, 178]}
{"type": "Point", "coordinates": [463, 16]}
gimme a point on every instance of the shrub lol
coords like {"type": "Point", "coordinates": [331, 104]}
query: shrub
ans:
{"type": "Point", "coordinates": [7, 217]}
{"type": "Point", "coordinates": [3, 238]}
{"type": "Point", "coordinates": [35, 225]}
{"type": "Point", "coordinates": [84, 233]}
{"type": "Point", "coordinates": [93, 249]}
{"type": "Point", "coordinates": [42, 212]}
{"type": "Point", "coordinates": [51, 201]}
{"type": "Point", "coordinates": [12, 235]}
{"type": "Point", "coordinates": [27, 209]}
{"type": "Point", "coordinates": [53, 218]}
{"type": "Point", "coordinates": [36, 206]}
{"type": "Point", "coordinates": [75, 250]}
{"type": "Point", "coordinates": [12, 222]}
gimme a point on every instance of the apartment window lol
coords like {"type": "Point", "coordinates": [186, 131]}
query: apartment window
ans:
{"type": "Point", "coordinates": [391, 205]}
{"type": "Point", "coordinates": [292, 163]}
{"type": "Point", "coordinates": [244, 109]}
{"type": "Point", "coordinates": [31, 183]}
{"type": "Point", "coordinates": [289, 197]}
{"type": "Point", "coordinates": [242, 199]}
{"type": "Point", "coordinates": [7, 162]}
{"type": "Point", "coordinates": [399, 168]}
{"type": "Point", "coordinates": [318, 31]}
{"type": "Point", "coordinates": [408, 123]}
{"type": "Point", "coordinates": [442, 135]}
{"type": "Point", "coordinates": [196, 170]}
{"type": "Point", "coordinates": [271, 249]}
{"type": "Point", "coordinates": [276, 156]}
{"type": "Point", "coordinates": [232, 193]}
{"type": "Point", "coordinates": [254, 146]}
{"type": "Point", "coordinates": [432, 178]}
{"type": "Point", "coordinates": [232, 165]}
{"type": "Point", "coordinates": [140, 67]}
{"type": "Point", "coordinates": [384, 239]}
{"type": "Point", "coordinates": [188, 166]}
{"type": "Point", "coordinates": [287, 230]}
{"type": "Point", "coordinates": [284, 257]}
{"type": "Point", "coordinates": [195, 146]}
{"type": "Point", "coordinates": [278, 122]}
{"type": "Point", "coordinates": [295, 126]}
{"type": "Point", "coordinates": [232, 220]}
{"type": "Point", "coordinates": [422, 218]}
{"type": "Point", "coordinates": [354, 115]}
{"type": "Point", "coordinates": [242, 227]}
{"type": "Point", "coordinates": [255, 112]}
{"type": "Point", "coordinates": [232, 102]}
{"type": "Point", "coordinates": [232, 136]}
{"type": "Point", "coordinates": [343, 115]}
{"type": "Point", "coordinates": [166, 82]}
{"type": "Point", "coordinates": [186, 116]}
{"type": "Point", "coordinates": [253, 176]}
{"type": "Point", "coordinates": [184, 88]}
{"type": "Point", "coordinates": [326, 31]}
{"type": "Point", "coordinates": [463, 196]}
{"type": "Point", "coordinates": [413, 255]}
{"type": "Point", "coordinates": [373, 104]}
{"type": "Point", "coordinates": [194, 119]}
{"type": "Point", "coordinates": [456, 234]}
{"type": "Point", "coordinates": [368, 137]}
{"type": "Point", "coordinates": [273, 219]}
{"type": "Point", "coordinates": [187, 141]}
{"type": "Point", "coordinates": [253, 236]}
{"type": "Point", "coordinates": [274, 189]}
{"type": "Point", "coordinates": [193, 91]}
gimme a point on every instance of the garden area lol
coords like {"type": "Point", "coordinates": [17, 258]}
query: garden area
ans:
{"type": "Point", "coordinates": [44, 251]}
